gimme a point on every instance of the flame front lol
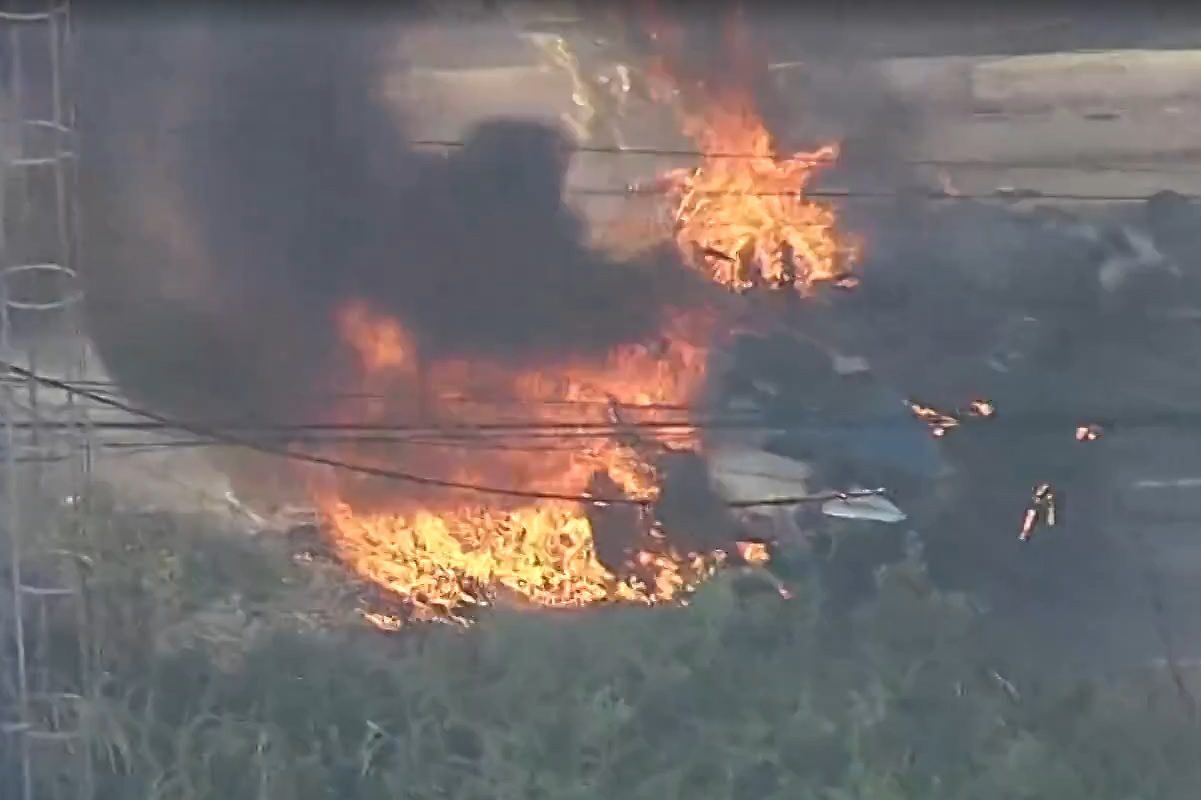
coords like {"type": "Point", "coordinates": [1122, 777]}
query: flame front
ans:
{"type": "Point", "coordinates": [742, 214]}
{"type": "Point", "coordinates": [442, 551]}
{"type": "Point", "coordinates": [743, 217]}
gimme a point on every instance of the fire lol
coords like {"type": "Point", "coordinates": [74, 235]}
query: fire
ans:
{"type": "Point", "coordinates": [380, 343]}
{"type": "Point", "coordinates": [442, 551]}
{"type": "Point", "coordinates": [742, 214]}
{"type": "Point", "coordinates": [441, 563]}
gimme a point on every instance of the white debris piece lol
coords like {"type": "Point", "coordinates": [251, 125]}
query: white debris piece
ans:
{"type": "Point", "coordinates": [744, 474]}
{"type": "Point", "coordinates": [741, 474]}
{"type": "Point", "coordinates": [873, 508]}
{"type": "Point", "coordinates": [850, 365]}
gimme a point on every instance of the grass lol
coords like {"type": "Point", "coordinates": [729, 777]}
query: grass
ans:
{"type": "Point", "coordinates": [232, 671]}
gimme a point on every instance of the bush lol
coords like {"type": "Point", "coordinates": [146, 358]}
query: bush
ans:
{"type": "Point", "coordinates": [234, 672]}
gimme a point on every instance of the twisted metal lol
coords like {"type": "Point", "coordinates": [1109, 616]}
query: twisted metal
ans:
{"type": "Point", "coordinates": [46, 445]}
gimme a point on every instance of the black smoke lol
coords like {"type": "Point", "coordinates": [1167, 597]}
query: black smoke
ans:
{"type": "Point", "coordinates": [492, 261]}
{"type": "Point", "coordinates": [244, 178]}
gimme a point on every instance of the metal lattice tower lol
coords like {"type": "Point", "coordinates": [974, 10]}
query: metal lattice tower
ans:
{"type": "Point", "coordinates": [46, 660]}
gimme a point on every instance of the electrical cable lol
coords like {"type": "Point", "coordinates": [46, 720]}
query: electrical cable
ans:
{"type": "Point", "coordinates": [559, 429]}
{"type": "Point", "coordinates": [205, 431]}
{"type": "Point", "coordinates": [1005, 193]}
{"type": "Point", "coordinates": [1103, 165]}
{"type": "Point", "coordinates": [858, 194]}
{"type": "Point", "coordinates": [1178, 419]}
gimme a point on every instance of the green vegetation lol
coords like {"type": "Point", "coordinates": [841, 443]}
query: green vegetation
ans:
{"type": "Point", "coordinates": [234, 671]}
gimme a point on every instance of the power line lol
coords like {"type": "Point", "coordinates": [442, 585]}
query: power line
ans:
{"type": "Point", "coordinates": [1113, 165]}
{"type": "Point", "coordinates": [1038, 419]}
{"type": "Point", "coordinates": [1002, 193]}
{"type": "Point", "coordinates": [181, 444]}
{"type": "Point", "coordinates": [108, 387]}
{"type": "Point", "coordinates": [1041, 417]}
{"type": "Point", "coordinates": [391, 474]}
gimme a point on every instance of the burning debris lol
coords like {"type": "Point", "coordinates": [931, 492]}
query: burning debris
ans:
{"type": "Point", "coordinates": [1044, 499]}
{"type": "Point", "coordinates": [1042, 507]}
{"type": "Point", "coordinates": [938, 421]}
{"type": "Point", "coordinates": [742, 217]}
{"type": "Point", "coordinates": [981, 408]}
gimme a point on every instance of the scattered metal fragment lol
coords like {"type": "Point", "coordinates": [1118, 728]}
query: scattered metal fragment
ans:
{"type": "Point", "coordinates": [235, 504]}
{"type": "Point", "coordinates": [982, 408]}
{"type": "Point", "coordinates": [1041, 511]}
{"type": "Point", "coordinates": [938, 421]}
{"type": "Point", "coordinates": [850, 365]}
{"type": "Point", "coordinates": [385, 622]}
{"type": "Point", "coordinates": [875, 508]}
{"type": "Point", "coordinates": [1171, 483]}
{"type": "Point", "coordinates": [846, 281]}
{"type": "Point", "coordinates": [1006, 685]}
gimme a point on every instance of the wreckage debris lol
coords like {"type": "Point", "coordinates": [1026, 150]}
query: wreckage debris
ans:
{"type": "Point", "coordinates": [940, 421]}
{"type": "Point", "coordinates": [1042, 507]}
{"type": "Point", "coordinates": [1041, 511]}
{"type": "Point", "coordinates": [870, 507]}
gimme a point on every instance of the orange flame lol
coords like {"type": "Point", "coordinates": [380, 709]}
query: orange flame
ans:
{"type": "Point", "coordinates": [444, 551]}
{"type": "Point", "coordinates": [743, 216]}
{"type": "Point", "coordinates": [747, 221]}
{"type": "Point", "coordinates": [380, 343]}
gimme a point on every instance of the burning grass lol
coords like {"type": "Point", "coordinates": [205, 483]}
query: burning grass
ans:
{"type": "Point", "coordinates": [445, 552]}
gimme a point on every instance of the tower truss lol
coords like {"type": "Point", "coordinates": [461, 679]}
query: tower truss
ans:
{"type": "Point", "coordinates": [46, 660]}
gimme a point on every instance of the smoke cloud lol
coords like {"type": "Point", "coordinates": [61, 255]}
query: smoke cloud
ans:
{"type": "Point", "coordinates": [245, 180]}
{"type": "Point", "coordinates": [491, 262]}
